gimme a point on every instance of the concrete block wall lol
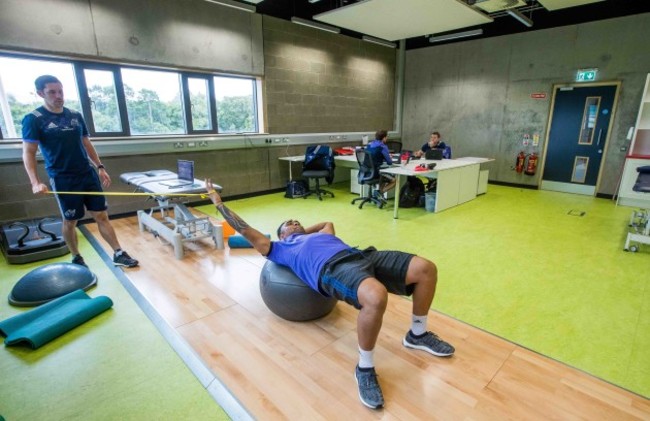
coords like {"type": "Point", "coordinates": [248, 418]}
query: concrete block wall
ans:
{"type": "Point", "coordinates": [318, 82]}
{"type": "Point", "coordinates": [477, 93]}
{"type": "Point", "coordinates": [238, 171]}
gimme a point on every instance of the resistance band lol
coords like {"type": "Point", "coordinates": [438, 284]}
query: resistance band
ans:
{"type": "Point", "coordinates": [97, 193]}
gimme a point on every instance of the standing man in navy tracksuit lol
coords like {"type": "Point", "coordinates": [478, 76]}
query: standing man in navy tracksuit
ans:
{"type": "Point", "coordinates": [70, 162]}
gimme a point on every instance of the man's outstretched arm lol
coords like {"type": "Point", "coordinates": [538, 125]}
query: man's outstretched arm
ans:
{"type": "Point", "coordinates": [260, 242]}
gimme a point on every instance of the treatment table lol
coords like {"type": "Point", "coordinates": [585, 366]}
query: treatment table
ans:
{"type": "Point", "coordinates": [184, 226]}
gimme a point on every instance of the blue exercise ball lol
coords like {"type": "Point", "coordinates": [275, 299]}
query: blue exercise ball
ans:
{"type": "Point", "coordinates": [51, 281]}
{"type": "Point", "coordinates": [289, 297]}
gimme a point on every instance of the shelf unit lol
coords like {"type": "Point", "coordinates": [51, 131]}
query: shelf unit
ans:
{"type": "Point", "coordinates": [638, 156]}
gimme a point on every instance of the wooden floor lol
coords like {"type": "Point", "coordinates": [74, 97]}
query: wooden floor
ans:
{"type": "Point", "coordinates": [286, 370]}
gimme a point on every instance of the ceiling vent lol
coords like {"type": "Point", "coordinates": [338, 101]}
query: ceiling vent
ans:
{"type": "Point", "coordinates": [491, 6]}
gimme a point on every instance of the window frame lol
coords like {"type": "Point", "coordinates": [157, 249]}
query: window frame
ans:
{"type": "Point", "coordinates": [256, 115]}
{"type": "Point", "coordinates": [79, 67]}
{"type": "Point", "coordinates": [187, 102]}
{"type": "Point", "coordinates": [86, 105]}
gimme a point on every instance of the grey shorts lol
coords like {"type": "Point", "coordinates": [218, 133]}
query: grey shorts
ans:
{"type": "Point", "coordinates": [344, 272]}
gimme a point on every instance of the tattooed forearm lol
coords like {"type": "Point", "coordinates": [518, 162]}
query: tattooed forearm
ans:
{"type": "Point", "coordinates": [232, 218]}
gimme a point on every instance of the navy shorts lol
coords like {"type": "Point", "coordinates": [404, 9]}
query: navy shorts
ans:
{"type": "Point", "coordinates": [73, 206]}
{"type": "Point", "coordinates": [344, 272]}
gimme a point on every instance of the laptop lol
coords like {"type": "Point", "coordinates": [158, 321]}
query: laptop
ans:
{"type": "Point", "coordinates": [433, 154]}
{"type": "Point", "coordinates": [185, 171]}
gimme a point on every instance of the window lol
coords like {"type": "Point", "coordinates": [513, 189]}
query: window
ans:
{"type": "Point", "coordinates": [236, 111]}
{"type": "Point", "coordinates": [124, 101]}
{"type": "Point", "coordinates": [3, 125]}
{"type": "Point", "coordinates": [153, 102]}
{"type": "Point", "coordinates": [199, 102]}
{"type": "Point", "coordinates": [18, 94]}
{"type": "Point", "coordinates": [104, 115]}
{"type": "Point", "coordinates": [589, 119]}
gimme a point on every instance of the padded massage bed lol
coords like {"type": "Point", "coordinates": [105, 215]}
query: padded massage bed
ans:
{"type": "Point", "coordinates": [184, 226]}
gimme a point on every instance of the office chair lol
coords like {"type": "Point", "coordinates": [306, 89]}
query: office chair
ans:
{"type": "Point", "coordinates": [368, 175]}
{"type": "Point", "coordinates": [394, 146]}
{"type": "Point", "coordinates": [319, 163]}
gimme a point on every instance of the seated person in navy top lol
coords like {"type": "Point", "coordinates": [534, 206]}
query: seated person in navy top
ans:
{"type": "Point", "coordinates": [361, 278]}
{"type": "Point", "coordinates": [380, 155]}
{"type": "Point", "coordinates": [435, 142]}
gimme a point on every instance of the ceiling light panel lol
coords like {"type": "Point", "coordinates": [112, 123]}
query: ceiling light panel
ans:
{"type": "Point", "coordinates": [395, 20]}
{"type": "Point", "coordinates": [491, 6]}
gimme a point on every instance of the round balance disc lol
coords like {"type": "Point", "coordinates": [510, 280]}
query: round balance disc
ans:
{"type": "Point", "coordinates": [51, 281]}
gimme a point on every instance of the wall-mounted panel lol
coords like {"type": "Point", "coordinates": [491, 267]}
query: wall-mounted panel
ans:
{"type": "Point", "coordinates": [176, 33]}
{"type": "Point", "coordinates": [188, 33]}
{"type": "Point", "coordinates": [47, 25]}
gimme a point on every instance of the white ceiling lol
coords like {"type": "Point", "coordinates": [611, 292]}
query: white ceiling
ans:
{"type": "Point", "coordinates": [562, 4]}
{"type": "Point", "coordinates": [394, 20]}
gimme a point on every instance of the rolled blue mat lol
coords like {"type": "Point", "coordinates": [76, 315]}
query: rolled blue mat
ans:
{"type": "Point", "coordinates": [49, 321]}
{"type": "Point", "coordinates": [240, 242]}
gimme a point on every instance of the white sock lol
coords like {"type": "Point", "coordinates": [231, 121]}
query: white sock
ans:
{"type": "Point", "coordinates": [366, 358]}
{"type": "Point", "coordinates": [419, 325]}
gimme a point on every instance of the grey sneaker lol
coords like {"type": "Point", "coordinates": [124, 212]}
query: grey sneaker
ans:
{"type": "Point", "coordinates": [124, 260]}
{"type": "Point", "coordinates": [78, 260]}
{"type": "Point", "coordinates": [429, 342]}
{"type": "Point", "coordinates": [369, 390]}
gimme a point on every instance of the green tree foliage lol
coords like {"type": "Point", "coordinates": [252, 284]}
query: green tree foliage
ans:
{"type": "Point", "coordinates": [149, 115]}
{"type": "Point", "coordinates": [235, 114]}
{"type": "Point", "coordinates": [106, 117]}
{"type": "Point", "coordinates": [200, 118]}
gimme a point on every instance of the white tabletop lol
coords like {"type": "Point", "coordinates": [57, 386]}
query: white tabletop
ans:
{"type": "Point", "coordinates": [441, 165]}
{"type": "Point", "coordinates": [475, 159]}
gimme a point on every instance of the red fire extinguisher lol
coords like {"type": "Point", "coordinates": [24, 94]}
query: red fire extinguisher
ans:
{"type": "Point", "coordinates": [521, 159]}
{"type": "Point", "coordinates": [531, 167]}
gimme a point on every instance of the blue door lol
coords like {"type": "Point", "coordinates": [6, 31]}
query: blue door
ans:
{"type": "Point", "coordinates": [578, 134]}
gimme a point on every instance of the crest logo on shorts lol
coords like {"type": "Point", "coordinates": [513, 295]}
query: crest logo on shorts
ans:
{"type": "Point", "coordinates": [69, 213]}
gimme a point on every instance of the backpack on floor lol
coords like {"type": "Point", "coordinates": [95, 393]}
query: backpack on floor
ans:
{"type": "Point", "coordinates": [296, 188]}
{"type": "Point", "coordinates": [409, 196]}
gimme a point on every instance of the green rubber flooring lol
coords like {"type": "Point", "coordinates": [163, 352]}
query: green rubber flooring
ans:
{"type": "Point", "coordinates": [116, 366]}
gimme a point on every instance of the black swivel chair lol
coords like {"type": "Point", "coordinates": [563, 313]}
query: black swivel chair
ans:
{"type": "Point", "coordinates": [319, 163]}
{"type": "Point", "coordinates": [394, 146]}
{"type": "Point", "coordinates": [369, 176]}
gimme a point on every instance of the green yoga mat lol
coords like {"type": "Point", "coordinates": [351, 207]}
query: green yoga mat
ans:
{"type": "Point", "coordinates": [48, 321]}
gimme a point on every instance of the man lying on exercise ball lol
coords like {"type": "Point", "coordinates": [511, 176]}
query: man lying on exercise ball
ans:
{"type": "Point", "coordinates": [362, 278]}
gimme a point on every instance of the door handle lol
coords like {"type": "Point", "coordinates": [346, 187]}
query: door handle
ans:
{"type": "Point", "coordinates": [600, 133]}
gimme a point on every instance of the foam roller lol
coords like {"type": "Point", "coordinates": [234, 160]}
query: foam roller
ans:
{"type": "Point", "coordinates": [239, 242]}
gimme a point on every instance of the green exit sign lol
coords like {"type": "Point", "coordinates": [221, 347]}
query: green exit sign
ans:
{"type": "Point", "coordinates": [586, 75]}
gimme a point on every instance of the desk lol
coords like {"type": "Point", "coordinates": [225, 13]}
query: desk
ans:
{"type": "Point", "coordinates": [342, 161]}
{"type": "Point", "coordinates": [458, 180]}
{"type": "Point", "coordinates": [483, 173]}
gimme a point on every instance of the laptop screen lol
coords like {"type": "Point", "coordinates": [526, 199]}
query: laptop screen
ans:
{"type": "Point", "coordinates": [435, 154]}
{"type": "Point", "coordinates": [185, 170]}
